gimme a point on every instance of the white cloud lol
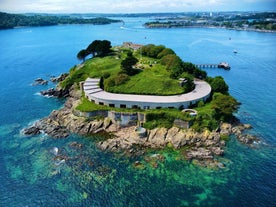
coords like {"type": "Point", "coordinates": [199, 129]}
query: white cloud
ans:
{"type": "Point", "coordinates": [127, 6]}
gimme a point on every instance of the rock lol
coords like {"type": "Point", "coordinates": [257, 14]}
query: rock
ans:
{"type": "Point", "coordinates": [178, 140]}
{"type": "Point", "coordinates": [199, 153]}
{"type": "Point", "coordinates": [51, 128]}
{"type": "Point", "coordinates": [59, 78]}
{"type": "Point", "coordinates": [217, 150]}
{"type": "Point", "coordinates": [225, 129]}
{"type": "Point", "coordinates": [76, 145]}
{"type": "Point", "coordinates": [247, 139]}
{"type": "Point", "coordinates": [157, 137]}
{"type": "Point", "coordinates": [107, 123]}
{"type": "Point", "coordinates": [40, 81]}
{"type": "Point", "coordinates": [33, 130]}
{"type": "Point", "coordinates": [60, 93]}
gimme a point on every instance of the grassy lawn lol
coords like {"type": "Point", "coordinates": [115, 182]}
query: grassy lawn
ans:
{"type": "Point", "coordinates": [154, 80]}
{"type": "Point", "coordinates": [92, 68]}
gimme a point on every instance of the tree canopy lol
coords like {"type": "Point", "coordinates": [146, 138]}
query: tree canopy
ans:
{"type": "Point", "coordinates": [218, 84]}
{"type": "Point", "coordinates": [99, 47]}
{"type": "Point", "coordinates": [127, 64]}
{"type": "Point", "coordinates": [224, 106]}
{"type": "Point", "coordinates": [82, 55]}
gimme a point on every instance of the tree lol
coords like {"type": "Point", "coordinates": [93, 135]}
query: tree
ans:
{"type": "Point", "coordinates": [224, 106]}
{"type": "Point", "coordinates": [99, 47]}
{"type": "Point", "coordinates": [105, 47]}
{"type": "Point", "coordinates": [218, 84]}
{"type": "Point", "coordinates": [128, 63]}
{"type": "Point", "coordinates": [165, 52]}
{"type": "Point", "coordinates": [82, 55]}
{"type": "Point", "coordinates": [92, 48]}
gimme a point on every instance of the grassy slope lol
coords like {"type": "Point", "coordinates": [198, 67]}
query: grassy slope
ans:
{"type": "Point", "coordinates": [152, 80]}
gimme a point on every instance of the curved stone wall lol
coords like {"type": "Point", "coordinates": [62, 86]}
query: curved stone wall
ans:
{"type": "Point", "coordinates": [94, 93]}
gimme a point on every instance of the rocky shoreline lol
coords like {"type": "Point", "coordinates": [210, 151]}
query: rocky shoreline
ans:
{"type": "Point", "coordinates": [202, 147]}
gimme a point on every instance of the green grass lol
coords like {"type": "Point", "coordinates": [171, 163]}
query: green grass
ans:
{"type": "Point", "coordinates": [92, 68]}
{"type": "Point", "coordinates": [153, 80]}
{"type": "Point", "coordinates": [88, 106]}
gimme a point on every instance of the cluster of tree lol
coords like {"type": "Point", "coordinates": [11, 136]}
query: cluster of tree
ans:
{"type": "Point", "coordinates": [128, 63]}
{"type": "Point", "coordinates": [173, 63]}
{"type": "Point", "coordinates": [224, 106]}
{"type": "Point", "coordinates": [218, 85]}
{"type": "Point", "coordinates": [96, 48]}
{"type": "Point", "coordinates": [123, 76]}
{"type": "Point", "coordinates": [156, 51]}
{"type": "Point", "coordinates": [8, 21]}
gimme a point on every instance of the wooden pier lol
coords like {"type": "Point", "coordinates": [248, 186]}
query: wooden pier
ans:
{"type": "Point", "coordinates": [222, 65]}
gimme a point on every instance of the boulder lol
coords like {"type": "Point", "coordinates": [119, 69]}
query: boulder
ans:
{"type": "Point", "coordinates": [199, 153]}
{"type": "Point", "coordinates": [40, 81]}
{"type": "Point", "coordinates": [33, 130]}
{"type": "Point", "coordinates": [60, 93]}
{"type": "Point", "coordinates": [157, 137]}
{"type": "Point", "coordinates": [59, 78]}
{"type": "Point", "coordinates": [178, 140]}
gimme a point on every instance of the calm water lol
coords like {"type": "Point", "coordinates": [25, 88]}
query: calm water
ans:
{"type": "Point", "coordinates": [30, 176]}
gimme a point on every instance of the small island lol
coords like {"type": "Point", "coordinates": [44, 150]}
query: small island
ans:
{"type": "Point", "coordinates": [140, 97]}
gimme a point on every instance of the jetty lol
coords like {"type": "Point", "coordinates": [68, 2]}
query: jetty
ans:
{"type": "Point", "coordinates": [223, 65]}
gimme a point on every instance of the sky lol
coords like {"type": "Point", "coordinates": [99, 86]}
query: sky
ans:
{"type": "Point", "coordinates": [133, 6]}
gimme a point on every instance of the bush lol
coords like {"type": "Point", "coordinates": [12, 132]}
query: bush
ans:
{"type": "Point", "coordinates": [218, 85]}
{"type": "Point", "coordinates": [110, 82]}
{"type": "Point", "coordinates": [106, 75]}
{"type": "Point", "coordinates": [121, 79]}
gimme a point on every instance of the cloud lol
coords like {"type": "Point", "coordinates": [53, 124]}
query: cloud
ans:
{"type": "Point", "coordinates": [129, 6]}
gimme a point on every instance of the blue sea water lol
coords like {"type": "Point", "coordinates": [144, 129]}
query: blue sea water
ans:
{"type": "Point", "coordinates": [30, 175]}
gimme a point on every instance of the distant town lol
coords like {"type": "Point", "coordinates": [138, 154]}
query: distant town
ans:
{"type": "Point", "coordinates": [256, 21]}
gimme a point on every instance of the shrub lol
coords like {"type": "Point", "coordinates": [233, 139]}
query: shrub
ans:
{"type": "Point", "coordinates": [121, 79]}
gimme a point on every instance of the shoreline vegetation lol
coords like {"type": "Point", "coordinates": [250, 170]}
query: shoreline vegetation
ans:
{"type": "Point", "coordinates": [244, 21]}
{"type": "Point", "coordinates": [10, 21]}
{"type": "Point", "coordinates": [201, 137]}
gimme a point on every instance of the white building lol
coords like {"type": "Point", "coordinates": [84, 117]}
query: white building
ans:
{"type": "Point", "coordinates": [95, 94]}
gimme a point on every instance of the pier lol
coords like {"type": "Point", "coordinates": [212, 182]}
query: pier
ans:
{"type": "Point", "coordinates": [223, 65]}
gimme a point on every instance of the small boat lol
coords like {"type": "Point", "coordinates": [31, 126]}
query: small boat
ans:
{"type": "Point", "coordinates": [235, 51]}
{"type": "Point", "coordinates": [224, 65]}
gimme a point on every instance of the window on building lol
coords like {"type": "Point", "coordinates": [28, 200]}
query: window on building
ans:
{"type": "Point", "coordinates": [123, 106]}
{"type": "Point", "coordinates": [135, 107]}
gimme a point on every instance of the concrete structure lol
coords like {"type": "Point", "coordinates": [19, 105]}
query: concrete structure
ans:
{"type": "Point", "coordinates": [223, 65]}
{"type": "Point", "coordinates": [95, 94]}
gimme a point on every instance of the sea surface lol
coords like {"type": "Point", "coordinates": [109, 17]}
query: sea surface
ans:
{"type": "Point", "coordinates": [32, 175]}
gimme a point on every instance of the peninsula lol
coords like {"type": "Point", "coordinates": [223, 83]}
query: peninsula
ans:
{"type": "Point", "coordinates": [139, 97]}
{"type": "Point", "coordinates": [9, 21]}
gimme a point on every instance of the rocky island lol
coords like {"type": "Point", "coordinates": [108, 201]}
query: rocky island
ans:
{"type": "Point", "coordinates": [200, 128]}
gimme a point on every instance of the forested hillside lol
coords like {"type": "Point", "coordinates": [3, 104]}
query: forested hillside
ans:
{"type": "Point", "coordinates": [8, 21]}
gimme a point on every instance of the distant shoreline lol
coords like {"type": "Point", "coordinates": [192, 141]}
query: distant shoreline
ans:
{"type": "Point", "coordinates": [209, 27]}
